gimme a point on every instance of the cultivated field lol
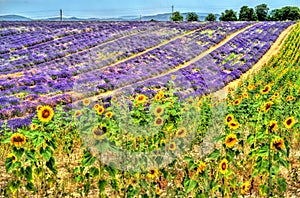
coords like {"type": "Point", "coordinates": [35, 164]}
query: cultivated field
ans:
{"type": "Point", "coordinates": [149, 109]}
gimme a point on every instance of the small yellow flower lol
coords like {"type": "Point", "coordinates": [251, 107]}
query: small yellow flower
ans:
{"type": "Point", "coordinates": [33, 126]}
{"type": "Point", "coordinates": [277, 143]}
{"type": "Point", "coordinates": [233, 125]}
{"type": "Point", "coordinates": [100, 110]}
{"type": "Point", "coordinates": [267, 106]}
{"type": "Point", "coordinates": [172, 146]}
{"type": "Point", "coordinates": [86, 102]}
{"type": "Point", "coordinates": [17, 139]}
{"type": "Point", "coordinates": [273, 126]}
{"type": "Point", "coordinates": [157, 190]}
{"type": "Point", "coordinates": [96, 106]}
{"type": "Point", "coordinates": [13, 157]}
{"type": "Point", "coordinates": [109, 114]}
{"type": "Point", "coordinates": [229, 118]}
{"type": "Point", "coordinates": [159, 110]}
{"type": "Point", "coordinates": [230, 140]}
{"type": "Point", "coordinates": [201, 167]}
{"type": "Point", "coordinates": [223, 166]}
{"type": "Point", "coordinates": [236, 102]}
{"type": "Point", "coordinates": [181, 132]}
{"type": "Point", "coordinates": [266, 89]}
{"type": "Point", "coordinates": [153, 173]}
{"type": "Point", "coordinates": [289, 122]}
{"type": "Point", "coordinates": [161, 93]}
{"type": "Point", "coordinates": [141, 98]}
{"type": "Point", "coordinates": [245, 187]}
{"type": "Point", "coordinates": [45, 114]}
{"type": "Point", "coordinates": [158, 121]}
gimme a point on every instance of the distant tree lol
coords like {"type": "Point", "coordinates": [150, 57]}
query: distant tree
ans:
{"type": "Point", "coordinates": [176, 16]}
{"type": "Point", "coordinates": [152, 20]}
{"type": "Point", "coordinates": [228, 15]}
{"type": "Point", "coordinates": [211, 17]}
{"type": "Point", "coordinates": [192, 16]}
{"type": "Point", "coordinates": [291, 13]}
{"type": "Point", "coordinates": [262, 12]}
{"type": "Point", "coordinates": [247, 14]}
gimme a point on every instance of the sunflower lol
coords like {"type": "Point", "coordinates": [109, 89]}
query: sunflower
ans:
{"type": "Point", "coordinates": [17, 139]}
{"type": "Point", "coordinates": [199, 104]}
{"type": "Point", "coordinates": [161, 93]}
{"type": "Point", "coordinates": [158, 111]}
{"type": "Point", "coordinates": [158, 190]}
{"type": "Point", "coordinates": [230, 140]}
{"type": "Point", "coordinates": [245, 187]}
{"type": "Point", "coordinates": [86, 102]}
{"type": "Point", "coordinates": [153, 173]}
{"type": "Point", "coordinates": [290, 98]}
{"type": "Point", "coordinates": [99, 132]}
{"type": "Point", "coordinates": [251, 87]}
{"type": "Point", "coordinates": [236, 102]}
{"type": "Point", "coordinates": [273, 126]}
{"type": "Point", "coordinates": [114, 99]}
{"type": "Point", "coordinates": [173, 77]}
{"type": "Point", "coordinates": [277, 143]}
{"type": "Point", "coordinates": [200, 168]}
{"type": "Point", "coordinates": [223, 166]}
{"type": "Point", "coordinates": [77, 113]}
{"type": "Point", "coordinates": [257, 96]}
{"type": "Point", "coordinates": [100, 110]}
{"type": "Point", "coordinates": [245, 95]}
{"type": "Point", "coordinates": [38, 108]}
{"type": "Point", "coordinates": [109, 114]}
{"type": "Point", "coordinates": [157, 97]}
{"type": "Point", "coordinates": [13, 157]}
{"type": "Point", "coordinates": [96, 106]}
{"type": "Point", "coordinates": [33, 126]}
{"type": "Point", "coordinates": [276, 94]}
{"type": "Point", "coordinates": [162, 143]}
{"type": "Point", "coordinates": [45, 114]}
{"type": "Point", "coordinates": [141, 98]}
{"type": "Point", "coordinates": [289, 122]}
{"type": "Point", "coordinates": [267, 106]}
{"type": "Point", "coordinates": [181, 132]}
{"type": "Point", "coordinates": [233, 125]}
{"type": "Point", "coordinates": [229, 118]}
{"type": "Point", "coordinates": [172, 146]}
{"type": "Point", "coordinates": [158, 121]}
{"type": "Point", "coordinates": [266, 89]}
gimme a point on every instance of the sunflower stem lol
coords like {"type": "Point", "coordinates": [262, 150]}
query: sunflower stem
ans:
{"type": "Point", "coordinates": [270, 163]}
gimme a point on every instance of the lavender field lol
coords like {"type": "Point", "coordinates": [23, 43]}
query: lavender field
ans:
{"type": "Point", "coordinates": [41, 61]}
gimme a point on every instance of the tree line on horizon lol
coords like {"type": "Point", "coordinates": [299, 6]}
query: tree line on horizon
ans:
{"type": "Point", "coordinates": [259, 13]}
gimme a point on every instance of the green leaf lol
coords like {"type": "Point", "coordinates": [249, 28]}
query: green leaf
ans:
{"type": "Point", "coordinates": [18, 152]}
{"type": "Point", "coordinates": [112, 171]}
{"type": "Point", "coordinates": [192, 185]}
{"type": "Point", "coordinates": [38, 141]}
{"type": "Point", "coordinates": [30, 155]}
{"type": "Point", "coordinates": [94, 171]}
{"type": "Point", "coordinates": [282, 184]}
{"type": "Point", "coordinates": [144, 184]}
{"type": "Point", "coordinates": [46, 153]}
{"type": "Point", "coordinates": [101, 185]}
{"type": "Point", "coordinates": [78, 178]}
{"type": "Point", "coordinates": [14, 186]}
{"type": "Point", "coordinates": [86, 188]}
{"type": "Point", "coordinates": [88, 159]}
{"type": "Point", "coordinates": [51, 165]}
{"type": "Point", "coordinates": [28, 173]}
{"type": "Point", "coordinates": [30, 187]}
{"type": "Point", "coordinates": [215, 154]}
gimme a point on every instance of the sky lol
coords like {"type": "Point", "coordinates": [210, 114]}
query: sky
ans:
{"type": "Point", "coordinates": [113, 8]}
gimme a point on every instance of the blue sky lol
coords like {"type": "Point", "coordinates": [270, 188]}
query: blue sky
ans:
{"type": "Point", "coordinates": [114, 8]}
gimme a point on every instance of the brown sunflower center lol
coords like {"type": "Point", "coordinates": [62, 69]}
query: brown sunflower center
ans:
{"type": "Point", "coordinates": [229, 118]}
{"type": "Point", "coordinates": [158, 121]}
{"type": "Point", "coordinates": [172, 146]}
{"type": "Point", "coordinates": [289, 122]}
{"type": "Point", "coordinates": [278, 145]}
{"type": "Point", "coordinates": [224, 166]}
{"type": "Point", "coordinates": [13, 157]}
{"type": "Point", "coordinates": [231, 139]}
{"type": "Point", "coordinates": [265, 89]}
{"type": "Point", "coordinates": [18, 139]}
{"type": "Point", "coordinates": [268, 105]}
{"type": "Point", "coordinates": [181, 132]}
{"type": "Point", "coordinates": [152, 172]}
{"type": "Point", "coordinates": [158, 110]}
{"type": "Point", "coordinates": [46, 113]}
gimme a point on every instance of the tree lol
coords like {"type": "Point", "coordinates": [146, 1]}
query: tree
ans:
{"type": "Point", "coordinates": [176, 16]}
{"type": "Point", "coordinates": [285, 13]}
{"type": "Point", "coordinates": [262, 12]}
{"type": "Point", "coordinates": [229, 15]}
{"type": "Point", "coordinates": [210, 17]}
{"type": "Point", "coordinates": [192, 16]}
{"type": "Point", "coordinates": [247, 14]}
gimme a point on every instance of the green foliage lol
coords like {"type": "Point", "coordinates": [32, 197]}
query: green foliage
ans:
{"type": "Point", "coordinates": [192, 16]}
{"type": "Point", "coordinates": [228, 15]}
{"type": "Point", "coordinates": [176, 16]}
{"type": "Point", "coordinates": [210, 17]}
{"type": "Point", "coordinates": [247, 14]}
{"type": "Point", "coordinates": [291, 13]}
{"type": "Point", "coordinates": [262, 12]}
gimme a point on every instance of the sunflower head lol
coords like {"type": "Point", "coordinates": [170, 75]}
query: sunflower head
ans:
{"type": "Point", "coordinates": [245, 95]}
{"type": "Point", "coordinates": [290, 98]}
{"type": "Point", "coordinates": [109, 114]}
{"type": "Point", "coordinates": [157, 97]}
{"type": "Point", "coordinates": [273, 126]}
{"type": "Point", "coordinates": [99, 131]}
{"type": "Point", "coordinates": [141, 98]}
{"type": "Point", "coordinates": [152, 173]}
{"type": "Point", "coordinates": [161, 93]}
{"type": "Point", "coordinates": [229, 118]}
{"type": "Point", "coordinates": [265, 90]}
{"type": "Point", "coordinates": [172, 146]}
{"type": "Point", "coordinates": [251, 87]}
{"type": "Point", "coordinates": [114, 99]}
{"type": "Point", "coordinates": [86, 102]}
{"type": "Point", "coordinates": [158, 121]}
{"type": "Point", "coordinates": [223, 166]}
{"type": "Point", "coordinates": [173, 77]}
{"type": "Point", "coordinates": [276, 94]}
{"type": "Point", "coordinates": [257, 96]}
{"type": "Point", "coordinates": [245, 187]}
{"type": "Point", "coordinates": [45, 114]}
{"type": "Point", "coordinates": [158, 190]}
{"type": "Point", "coordinates": [200, 168]}
{"type": "Point", "coordinates": [77, 113]}
{"type": "Point", "coordinates": [13, 157]}
{"type": "Point", "coordinates": [100, 110]}
{"type": "Point", "coordinates": [158, 110]}
{"type": "Point", "coordinates": [230, 140]}
{"type": "Point", "coordinates": [267, 106]}
{"type": "Point", "coordinates": [17, 139]}
{"type": "Point", "coordinates": [289, 122]}
{"type": "Point", "coordinates": [277, 143]}
{"type": "Point", "coordinates": [233, 125]}
{"type": "Point", "coordinates": [33, 126]}
{"type": "Point", "coordinates": [181, 132]}
{"type": "Point", "coordinates": [96, 106]}
{"type": "Point", "coordinates": [236, 102]}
